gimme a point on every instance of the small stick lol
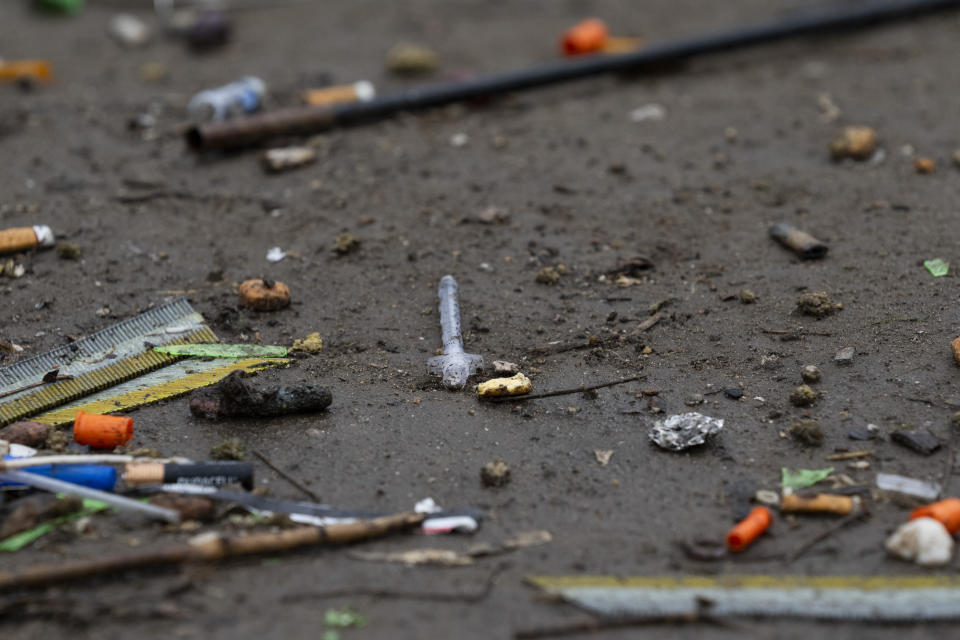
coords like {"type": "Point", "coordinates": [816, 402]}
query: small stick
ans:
{"type": "Point", "coordinates": [806, 546]}
{"type": "Point", "coordinates": [287, 477]}
{"type": "Point", "coordinates": [787, 332]}
{"type": "Point", "coordinates": [47, 379]}
{"type": "Point", "coordinates": [210, 547]}
{"type": "Point", "coordinates": [852, 455]}
{"type": "Point", "coordinates": [564, 392]}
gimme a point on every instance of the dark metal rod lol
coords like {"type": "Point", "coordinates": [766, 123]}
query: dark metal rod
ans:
{"type": "Point", "coordinates": [304, 120]}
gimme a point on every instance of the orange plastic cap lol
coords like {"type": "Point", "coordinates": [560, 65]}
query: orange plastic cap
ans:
{"type": "Point", "coordinates": [946, 512]}
{"type": "Point", "coordinates": [588, 36]}
{"type": "Point", "coordinates": [102, 432]}
{"type": "Point", "coordinates": [749, 529]}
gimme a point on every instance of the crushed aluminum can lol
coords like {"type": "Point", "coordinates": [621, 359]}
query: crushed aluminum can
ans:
{"type": "Point", "coordinates": [684, 430]}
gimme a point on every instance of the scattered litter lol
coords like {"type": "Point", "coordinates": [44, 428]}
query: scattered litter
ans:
{"type": "Point", "coordinates": [285, 158]}
{"type": "Point", "coordinates": [794, 479]}
{"type": "Point", "coordinates": [684, 430]}
{"type": "Point", "coordinates": [803, 396]}
{"type": "Point", "coordinates": [517, 385]}
{"type": "Point", "coordinates": [937, 267]}
{"type": "Point", "coordinates": [749, 529]}
{"type": "Point", "coordinates": [231, 100]}
{"type": "Point", "coordinates": [504, 368]}
{"type": "Point", "coordinates": [264, 295]}
{"type": "Point", "coordinates": [455, 366]}
{"type": "Point", "coordinates": [313, 343]}
{"type": "Point", "coordinates": [811, 373]}
{"type": "Point", "coordinates": [652, 112]}
{"type": "Point", "coordinates": [924, 166]}
{"type": "Point", "coordinates": [276, 254]}
{"type": "Point", "coordinates": [857, 143]}
{"type": "Point", "coordinates": [816, 304]}
{"type": "Point", "coordinates": [819, 503]}
{"type": "Point", "coordinates": [800, 242]}
{"type": "Point", "coordinates": [603, 456]}
{"type": "Point", "coordinates": [844, 356]}
{"type": "Point", "coordinates": [129, 30]}
{"type": "Point", "coordinates": [920, 441]}
{"type": "Point", "coordinates": [409, 59]}
{"type": "Point", "coordinates": [908, 486]}
{"type": "Point", "coordinates": [223, 350]}
{"type": "Point", "coordinates": [495, 473]}
{"type": "Point", "coordinates": [362, 91]}
{"type": "Point", "coordinates": [924, 541]}
{"type": "Point", "coordinates": [831, 597]}
{"type": "Point", "coordinates": [101, 431]}
{"type": "Point", "coordinates": [25, 238]}
{"type": "Point", "coordinates": [236, 396]}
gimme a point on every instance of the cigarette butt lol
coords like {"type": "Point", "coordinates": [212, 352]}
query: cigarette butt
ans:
{"type": "Point", "coordinates": [955, 347]}
{"type": "Point", "coordinates": [20, 70]}
{"type": "Point", "coordinates": [947, 512]}
{"type": "Point", "coordinates": [820, 503]}
{"type": "Point", "coordinates": [800, 242]}
{"type": "Point", "coordinates": [588, 36]}
{"type": "Point", "coordinates": [23, 238]}
{"type": "Point", "coordinates": [362, 91]}
{"type": "Point", "coordinates": [749, 529]}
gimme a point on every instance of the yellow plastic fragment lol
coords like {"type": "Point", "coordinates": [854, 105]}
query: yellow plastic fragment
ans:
{"type": "Point", "coordinates": [517, 385]}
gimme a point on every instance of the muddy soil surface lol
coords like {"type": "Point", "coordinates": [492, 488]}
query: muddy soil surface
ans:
{"type": "Point", "coordinates": [743, 143]}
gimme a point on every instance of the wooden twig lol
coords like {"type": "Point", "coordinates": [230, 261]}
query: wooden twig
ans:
{"type": "Point", "coordinates": [209, 548]}
{"type": "Point", "coordinates": [851, 455]}
{"type": "Point", "coordinates": [799, 332]}
{"type": "Point", "coordinates": [287, 477]}
{"type": "Point", "coordinates": [564, 392]}
{"type": "Point", "coordinates": [806, 546]}
{"type": "Point", "coordinates": [49, 378]}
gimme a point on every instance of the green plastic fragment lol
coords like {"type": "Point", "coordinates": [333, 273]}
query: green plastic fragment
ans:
{"type": "Point", "coordinates": [223, 350]}
{"type": "Point", "coordinates": [344, 618]}
{"type": "Point", "coordinates": [937, 267]}
{"type": "Point", "coordinates": [61, 6]}
{"type": "Point", "coordinates": [20, 540]}
{"type": "Point", "coordinates": [800, 478]}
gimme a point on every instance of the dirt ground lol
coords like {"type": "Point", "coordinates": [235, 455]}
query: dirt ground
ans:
{"type": "Point", "coordinates": [743, 144]}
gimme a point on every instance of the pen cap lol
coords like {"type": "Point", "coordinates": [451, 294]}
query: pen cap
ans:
{"type": "Point", "coordinates": [102, 432]}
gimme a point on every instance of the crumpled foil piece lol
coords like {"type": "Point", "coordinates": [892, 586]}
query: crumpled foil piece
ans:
{"type": "Point", "coordinates": [684, 430]}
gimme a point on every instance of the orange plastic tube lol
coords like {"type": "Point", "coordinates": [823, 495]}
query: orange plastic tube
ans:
{"type": "Point", "coordinates": [16, 70]}
{"type": "Point", "coordinates": [947, 512]}
{"type": "Point", "coordinates": [749, 529]}
{"type": "Point", "coordinates": [588, 36]}
{"type": "Point", "coordinates": [102, 432]}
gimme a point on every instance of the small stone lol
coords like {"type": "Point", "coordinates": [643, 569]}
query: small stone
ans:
{"type": "Point", "coordinates": [229, 449]}
{"type": "Point", "coordinates": [747, 296]}
{"type": "Point", "coordinates": [920, 441]}
{"type": "Point", "coordinates": [68, 251]}
{"type": "Point", "coordinates": [803, 396]}
{"type": "Point", "coordinates": [858, 143]}
{"type": "Point", "coordinates": [955, 419]}
{"type": "Point", "coordinates": [264, 295]}
{"type": "Point", "coordinates": [495, 474]}
{"type": "Point", "coordinates": [810, 373]}
{"type": "Point", "coordinates": [924, 166]}
{"type": "Point", "coordinates": [861, 434]}
{"type": "Point", "coordinates": [808, 432]}
{"type": "Point", "coordinates": [502, 367]}
{"type": "Point", "coordinates": [58, 440]}
{"type": "Point", "coordinates": [736, 394]}
{"type": "Point", "coordinates": [603, 456]}
{"type": "Point", "coordinates": [844, 356]}
{"type": "Point", "coordinates": [153, 71]}
{"type": "Point", "coordinates": [346, 243]}
{"type": "Point", "coordinates": [955, 347]}
{"type": "Point", "coordinates": [197, 508]}
{"type": "Point", "coordinates": [285, 158]}
{"type": "Point", "coordinates": [694, 399]}
{"type": "Point", "coordinates": [26, 432]}
{"type": "Point", "coordinates": [815, 303]}
{"type": "Point", "coordinates": [548, 275]}
{"type": "Point", "coordinates": [493, 215]}
{"type": "Point", "coordinates": [405, 58]}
